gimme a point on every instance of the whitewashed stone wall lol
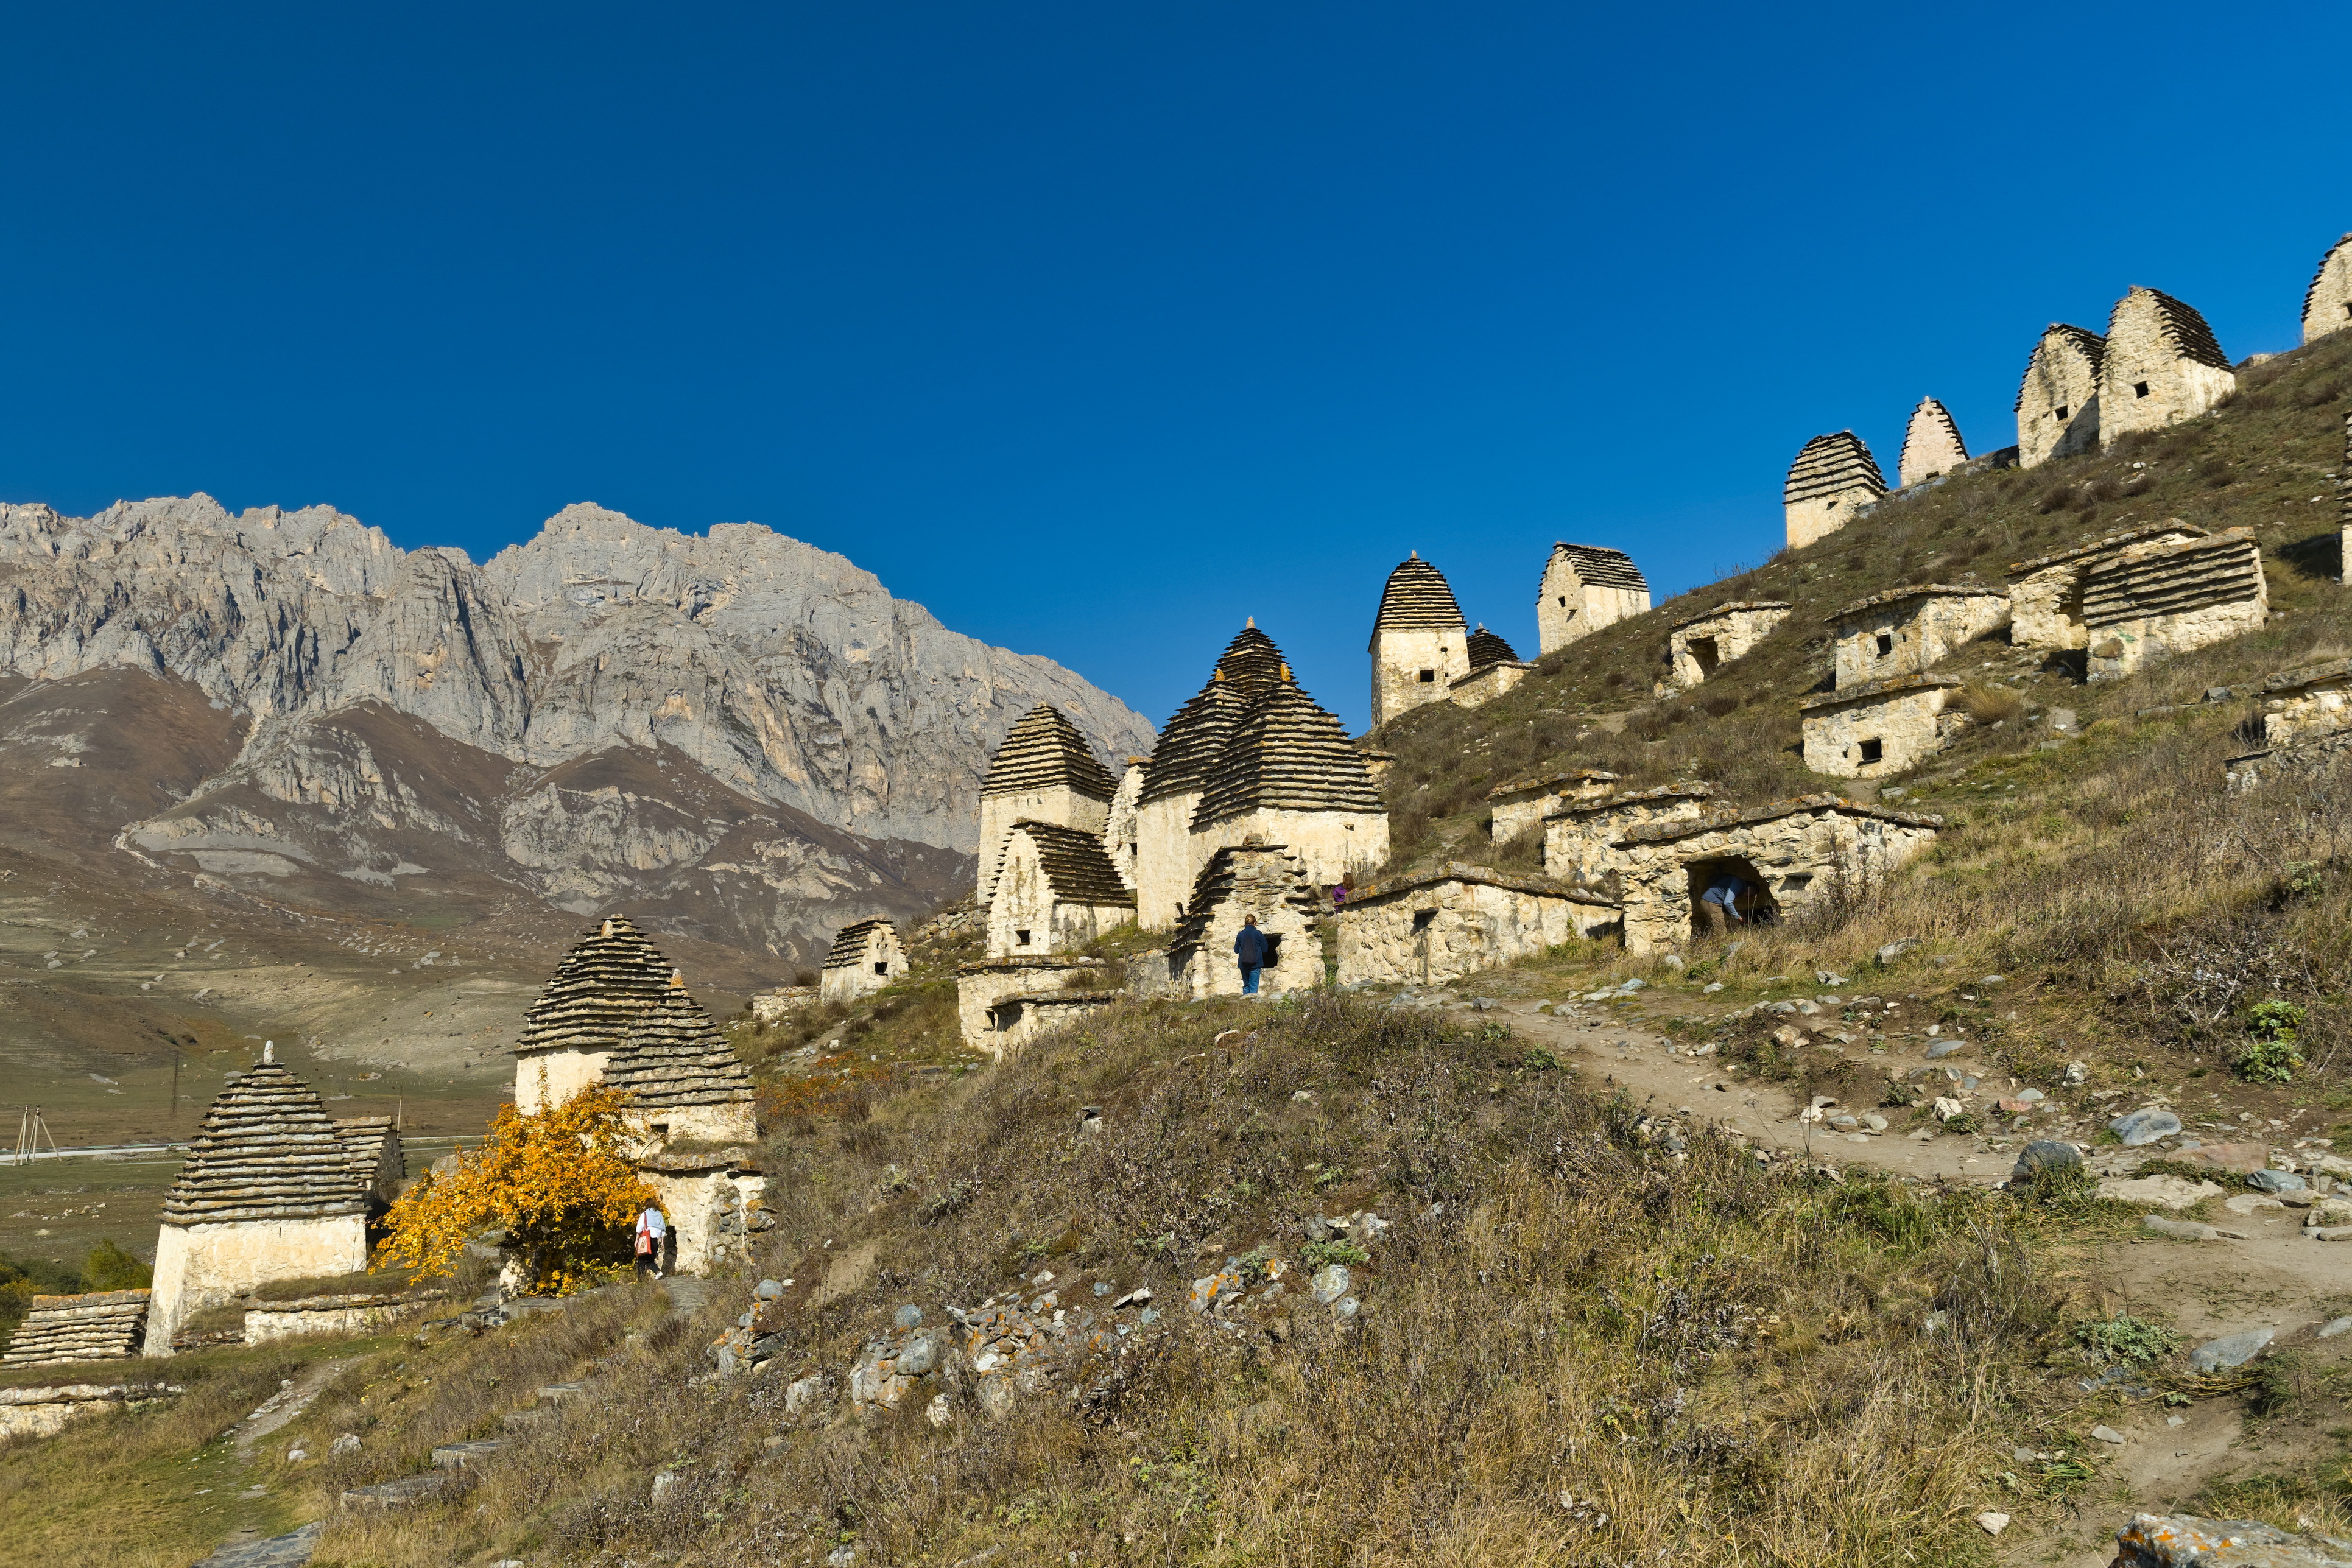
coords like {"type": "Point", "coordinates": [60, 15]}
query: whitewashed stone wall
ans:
{"type": "Point", "coordinates": [1059, 804]}
{"type": "Point", "coordinates": [2318, 703]}
{"type": "Point", "coordinates": [1900, 634]}
{"type": "Point", "coordinates": [2058, 405]}
{"type": "Point", "coordinates": [2045, 595]}
{"type": "Point", "coordinates": [42, 1410]}
{"type": "Point", "coordinates": [2307, 765]}
{"type": "Point", "coordinates": [1431, 929]}
{"type": "Point", "coordinates": [1905, 717]}
{"type": "Point", "coordinates": [1795, 851]}
{"type": "Point", "coordinates": [1414, 667]}
{"type": "Point", "coordinates": [1268, 886]}
{"type": "Point", "coordinates": [349, 1314]}
{"type": "Point", "coordinates": [1494, 681]}
{"type": "Point", "coordinates": [1521, 807]}
{"type": "Point", "coordinates": [981, 986]}
{"type": "Point", "coordinates": [201, 1266]}
{"type": "Point", "coordinates": [1026, 917]}
{"type": "Point", "coordinates": [1577, 838]}
{"type": "Point", "coordinates": [1020, 1018]}
{"type": "Point", "coordinates": [1331, 845]}
{"type": "Point", "coordinates": [880, 962]}
{"type": "Point", "coordinates": [710, 1212]}
{"type": "Point", "coordinates": [1119, 822]}
{"type": "Point", "coordinates": [2328, 303]}
{"type": "Point", "coordinates": [546, 1078]}
{"type": "Point", "coordinates": [2147, 382]}
{"type": "Point", "coordinates": [1704, 644]}
{"type": "Point", "coordinates": [1165, 859]}
{"type": "Point", "coordinates": [785, 1002]}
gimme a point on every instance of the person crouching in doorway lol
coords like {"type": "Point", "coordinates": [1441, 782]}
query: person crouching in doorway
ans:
{"type": "Point", "coordinates": [1720, 905]}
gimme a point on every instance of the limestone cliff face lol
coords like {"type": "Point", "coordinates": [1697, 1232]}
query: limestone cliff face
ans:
{"type": "Point", "coordinates": [739, 736]}
{"type": "Point", "coordinates": [785, 671]}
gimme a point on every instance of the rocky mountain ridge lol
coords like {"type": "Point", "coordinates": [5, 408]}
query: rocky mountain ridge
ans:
{"type": "Point", "coordinates": [741, 730]}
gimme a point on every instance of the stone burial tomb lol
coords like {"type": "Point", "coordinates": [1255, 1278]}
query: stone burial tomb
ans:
{"type": "Point", "coordinates": [617, 1012]}
{"type": "Point", "coordinates": [1055, 890]}
{"type": "Point", "coordinates": [1577, 836]}
{"type": "Point", "coordinates": [1421, 644]}
{"type": "Point", "coordinates": [1702, 645]}
{"type": "Point", "coordinates": [1833, 479]}
{"type": "Point", "coordinates": [1268, 882]}
{"type": "Point", "coordinates": [1522, 805]}
{"type": "Point", "coordinates": [2307, 726]}
{"type": "Point", "coordinates": [1458, 919]}
{"type": "Point", "coordinates": [1045, 772]}
{"type": "Point", "coordinates": [2162, 365]}
{"type": "Point", "coordinates": [1583, 589]}
{"type": "Point", "coordinates": [268, 1193]}
{"type": "Point", "coordinates": [2058, 401]}
{"type": "Point", "coordinates": [1932, 446]}
{"type": "Point", "coordinates": [1494, 670]}
{"type": "Point", "coordinates": [1879, 728]}
{"type": "Point", "coordinates": [2344, 508]}
{"type": "Point", "coordinates": [1121, 828]}
{"type": "Point", "coordinates": [101, 1325]}
{"type": "Point", "coordinates": [864, 957]}
{"type": "Point", "coordinates": [1288, 774]}
{"type": "Point", "coordinates": [2149, 604]}
{"type": "Point", "coordinates": [1795, 851]}
{"type": "Point", "coordinates": [1189, 750]}
{"type": "Point", "coordinates": [2328, 303]}
{"type": "Point", "coordinates": [1003, 1003]}
{"type": "Point", "coordinates": [1905, 630]}
{"type": "Point", "coordinates": [2045, 594]}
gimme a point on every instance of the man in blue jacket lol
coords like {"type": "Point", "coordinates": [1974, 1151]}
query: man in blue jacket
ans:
{"type": "Point", "coordinates": [1249, 947]}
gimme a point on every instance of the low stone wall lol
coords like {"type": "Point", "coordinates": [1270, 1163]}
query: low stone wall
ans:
{"type": "Point", "coordinates": [774, 1007]}
{"type": "Point", "coordinates": [1483, 687]}
{"type": "Point", "coordinates": [1907, 630]}
{"type": "Point", "coordinates": [1882, 729]}
{"type": "Point", "coordinates": [2152, 604]}
{"type": "Point", "coordinates": [102, 1325]}
{"type": "Point", "coordinates": [2045, 594]}
{"type": "Point", "coordinates": [347, 1314]}
{"type": "Point", "coordinates": [43, 1411]}
{"type": "Point", "coordinates": [981, 986]}
{"type": "Point", "coordinates": [1022, 1018]}
{"type": "Point", "coordinates": [2301, 704]}
{"type": "Point", "coordinates": [1702, 645]}
{"type": "Point", "coordinates": [2307, 763]}
{"type": "Point", "coordinates": [1577, 837]}
{"type": "Point", "coordinates": [1427, 930]}
{"type": "Point", "coordinates": [1522, 805]}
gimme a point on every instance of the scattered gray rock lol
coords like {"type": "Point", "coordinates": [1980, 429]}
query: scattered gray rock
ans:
{"type": "Point", "coordinates": [908, 1317]}
{"type": "Point", "coordinates": [2185, 1540]}
{"type": "Point", "coordinates": [2231, 1350]}
{"type": "Point", "coordinates": [2168, 1191]}
{"type": "Point", "coordinates": [2335, 1326]}
{"type": "Point", "coordinates": [2186, 1229]}
{"type": "Point", "coordinates": [349, 1443]}
{"type": "Point", "coordinates": [291, 1550]}
{"type": "Point", "coordinates": [769, 1290]}
{"type": "Point", "coordinates": [2275, 1181]}
{"type": "Point", "coordinates": [2077, 1074]}
{"type": "Point", "coordinates": [1896, 949]}
{"type": "Point", "coordinates": [1330, 1282]}
{"type": "Point", "coordinates": [1992, 981]}
{"type": "Point", "coordinates": [662, 1483]}
{"type": "Point", "coordinates": [2140, 1128]}
{"type": "Point", "coordinates": [1944, 1048]}
{"type": "Point", "coordinates": [2043, 1155]}
{"type": "Point", "coordinates": [2107, 1435]}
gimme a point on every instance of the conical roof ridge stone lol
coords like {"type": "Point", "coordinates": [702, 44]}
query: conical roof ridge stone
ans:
{"type": "Point", "coordinates": [267, 1150]}
{"type": "Point", "coordinates": [608, 978]}
{"type": "Point", "coordinates": [848, 949]}
{"type": "Point", "coordinates": [2184, 327]}
{"type": "Point", "coordinates": [2082, 339]}
{"type": "Point", "coordinates": [1251, 659]}
{"type": "Point", "coordinates": [1603, 566]}
{"type": "Point", "coordinates": [1828, 465]}
{"type": "Point", "coordinates": [1045, 750]}
{"type": "Point", "coordinates": [672, 1056]}
{"type": "Point", "coordinates": [1193, 736]}
{"type": "Point", "coordinates": [1286, 754]}
{"type": "Point", "coordinates": [1931, 443]}
{"type": "Point", "coordinates": [1417, 598]}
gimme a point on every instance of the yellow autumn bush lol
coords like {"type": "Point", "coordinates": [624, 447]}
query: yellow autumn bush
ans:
{"type": "Point", "coordinates": [557, 1182]}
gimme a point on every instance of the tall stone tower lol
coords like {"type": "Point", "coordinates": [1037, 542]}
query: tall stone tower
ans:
{"type": "Point", "coordinates": [1288, 776]}
{"type": "Point", "coordinates": [2058, 402]}
{"type": "Point", "coordinates": [1833, 478]}
{"type": "Point", "coordinates": [2163, 365]}
{"type": "Point", "coordinates": [1583, 589]}
{"type": "Point", "coordinates": [1931, 444]}
{"type": "Point", "coordinates": [1420, 641]}
{"type": "Point", "coordinates": [1045, 772]}
{"type": "Point", "coordinates": [1173, 780]}
{"type": "Point", "coordinates": [2328, 303]}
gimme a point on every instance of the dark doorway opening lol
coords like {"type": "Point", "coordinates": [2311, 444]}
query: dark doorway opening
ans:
{"type": "Point", "coordinates": [1756, 906]}
{"type": "Point", "coordinates": [1704, 653]}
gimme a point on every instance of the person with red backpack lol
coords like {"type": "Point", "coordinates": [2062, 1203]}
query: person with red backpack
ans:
{"type": "Point", "coordinates": [653, 1230]}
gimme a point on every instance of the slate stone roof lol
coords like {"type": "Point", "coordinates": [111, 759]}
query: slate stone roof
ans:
{"type": "Point", "coordinates": [1666, 832]}
{"type": "Point", "coordinates": [671, 1056]}
{"type": "Point", "coordinates": [2309, 676]}
{"type": "Point", "coordinates": [2107, 544]}
{"type": "Point", "coordinates": [1569, 778]}
{"type": "Point", "coordinates": [1868, 691]}
{"type": "Point", "coordinates": [1286, 753]}
{"type": "Point", "coordinates": [364, 1139]}
{"type": "Point", "coordinates": [103, 1325]}
{"type": "Point", "coordinates": [2221, 569]}
{"type": "Point", "coordinates": [1270, 871]}
{"type": "Point", "coordinates": [2320, 272]}
{"type": "Point", "coordinates": [848, 949]}
{"type": "Point", "coordinates": [1917, 590]}
{"type": "Point", "coordinates": [1482, 875]}
{"type": "Point", "coordinates": [1733, 608]}
{"type": "Point", "coordinates": [2182, 327]}
{"type": "Point", "coordinates": [1418, 599]}
{"type": "Point", "coordinates": [1191, 740]}
{"type": "Point", "coordinates": [610, 976]}
{"type": "Point", "coordinates": [267, 1150]}
{"type": "Point", "coordinates": [1695, 791]}
{"type": "Point", "coordinates": [1831, 464]}
{"type": "Point", "coordinates": [1043, 750]}
{"type": "Point", "coordinates": [1486, 648]}
{"type": "Point", "coordinates": [1603, 566]}
{"type": "Point", "coordinates": [1076, 866]}
{"type": "Point", "coordinates": [2082, 339]}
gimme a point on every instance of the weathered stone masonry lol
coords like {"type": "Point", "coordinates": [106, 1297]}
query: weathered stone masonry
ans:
{"type": "Point", "coordinates": [1459, 919]}
{"type": "Point", "coordinates": [1056, 890]}
{"type": "Point", "coordinates": [1707, 642]}
{"type": "Point", "coordinates": [1420, 642]}
{"type": "Point", "coordinates": [1906, 630]}
{"type": "Point", "coordinates": [864, 957]}
{"type": "Point", "coordinates": [1522, 805]}
{"type": "Point", "coordinates": [1045, 772]}
{"type": "Point", "coordinates": [1879, 728]}
{"type": "Point", "coordinates": [1931, 444]}
{"type": "Point", "coordinates": [2162, 365]}
{"type": "Point", "coordinates": [1833, 479]}
{"type": "Point", "coordinates": [2045, 594]}
{"type": "Point", "coordinates": [1583, 589]}
{"type": "Point", "coordinates": [2150, 605]}
{"type": "Point", "coordinates": [2058, 401]}
{"type": "Point", "coordinates": [2328, 303]}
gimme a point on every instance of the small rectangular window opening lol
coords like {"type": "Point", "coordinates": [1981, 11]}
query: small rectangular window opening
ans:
{"type": "Point", "coordinates": [1021, 938]}
{"type": "Point", "coordinates": [1421, 919]}
{"type": "Point", "coordinates": [1873, 751]}
{"type": "Point", "coordinates": [2140, 388]}
{"type": "Point", "coordinates": [881, 968]}
{"type": "Point", "coordinates": [1885, 643]}
{"type": "Point", "coordinates": [1429, 675]}
{"type": "Point", "coordinates": [1563, 602]}
{"type": "Point", "coordinates": [2061, 411]}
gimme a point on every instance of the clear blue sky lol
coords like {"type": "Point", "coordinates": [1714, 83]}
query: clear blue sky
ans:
{"type": "Point", "coordinates": [1098, 328]}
